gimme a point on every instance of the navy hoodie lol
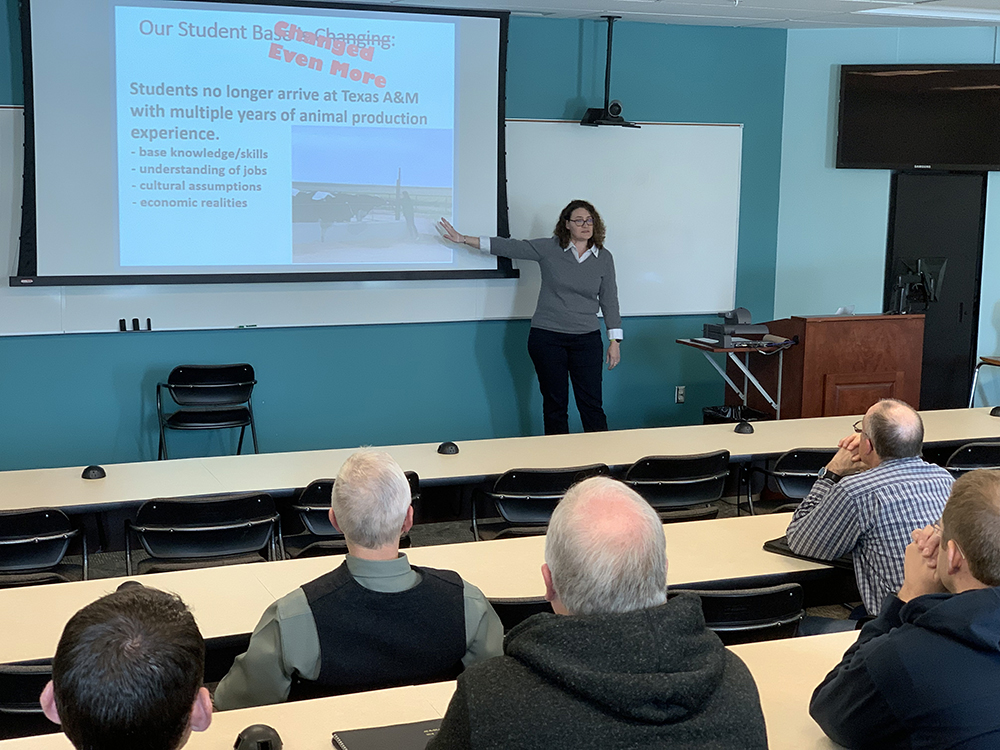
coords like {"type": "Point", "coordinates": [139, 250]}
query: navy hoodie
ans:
{"type": "Point", "coordinates": [924, 674]}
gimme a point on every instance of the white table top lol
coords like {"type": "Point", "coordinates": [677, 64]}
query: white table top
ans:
{"type": "Point", "coordinates": [224, 600]}
{"type": "Point", "coordinates": [64, 487]}
{"type": "Point", "coordinates": [786, 672]}
{"type": "Point", "coordinates": [698, 551]}
{"type": "Point", "coordinates": [229, 600]}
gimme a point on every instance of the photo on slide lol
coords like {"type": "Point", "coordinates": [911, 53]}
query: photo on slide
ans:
{"type": "Point", "coordinates": [370, 194]}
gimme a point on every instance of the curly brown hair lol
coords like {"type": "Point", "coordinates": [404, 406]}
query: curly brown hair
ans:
{"type": "Point", "coordinates": [562, 233]}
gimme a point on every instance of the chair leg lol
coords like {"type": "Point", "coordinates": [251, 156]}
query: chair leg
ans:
{"type": "Point", "coordinates": [975, 379]}
{"type": "Point", "coordinates": [277, 545]}
{"type": "Point", "coordinates": [86, 568]}
{"type": "Point", "coordinates": [253, 434]}
{"type": "Point", "coordinates": [475, 524]}
{"type": "Point", "coordinates": [128, 550]}
{"type": "Point", "coordinates": [749, 483]}
{"type": "Point", "coordinates": [162, 452]}
{"type": "Point", "coordinates": [239, 445]}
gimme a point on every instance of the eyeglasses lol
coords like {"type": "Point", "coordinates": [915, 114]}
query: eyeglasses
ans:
{"type": "Point", "coordinates": [859, 427]}
{"type": "Point", "coordinates": [584, 222]}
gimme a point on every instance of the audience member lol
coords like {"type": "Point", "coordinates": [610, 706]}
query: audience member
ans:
{"type": "Point", "coordinates": [373, 622]}
{"type": "Point", "coordinates": [128, 674]}
{"type": "Point", "coordinates": [617, 665]}
{"type": "Point", "coordinates": [925, 671]}
{"type": "Point", "coordinates": [874, 491]}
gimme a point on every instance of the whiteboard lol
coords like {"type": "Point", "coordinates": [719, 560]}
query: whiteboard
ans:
{"type": "Point", "coordinates": [670, 196]}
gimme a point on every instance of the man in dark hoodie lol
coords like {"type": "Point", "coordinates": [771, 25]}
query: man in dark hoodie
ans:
{"type": "Point", "coordinates": [617, 665]}
{"type": "Point", "coordinates": [925, 672]}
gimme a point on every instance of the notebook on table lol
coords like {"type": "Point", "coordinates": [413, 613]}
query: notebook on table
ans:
{"type": "Point", "coordinates": [780, 546]}
{"type": "Point", "coordinates": [413, 736]}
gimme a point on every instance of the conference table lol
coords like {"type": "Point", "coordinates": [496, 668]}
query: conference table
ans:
{"type": "Point", "coordinates": [786, 672]}
{"type": "Point", "coordinates": [229, 600]}
{"type": "Point", "coordinates": [133, 482]}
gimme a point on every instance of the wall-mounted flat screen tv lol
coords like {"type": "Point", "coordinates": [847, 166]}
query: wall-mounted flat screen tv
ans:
{"type": "Point", "coordinates": [941, 117]}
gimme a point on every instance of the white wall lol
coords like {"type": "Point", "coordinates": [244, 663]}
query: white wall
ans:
{"type": "Point", "coordinates": [832, 223]}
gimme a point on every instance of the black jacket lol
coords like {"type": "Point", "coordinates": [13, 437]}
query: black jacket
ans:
{"type": "Point", "coordinates": [925, 674]}
{"type": "Point", "coordinates": [652, 678]}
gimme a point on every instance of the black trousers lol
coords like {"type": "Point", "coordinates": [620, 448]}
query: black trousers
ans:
{"type": "Point", "coordinates": [579, 356]}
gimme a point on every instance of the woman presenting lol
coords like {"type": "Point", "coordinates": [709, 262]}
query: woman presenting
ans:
{"type": "Point", "coordinates": [578, 278]}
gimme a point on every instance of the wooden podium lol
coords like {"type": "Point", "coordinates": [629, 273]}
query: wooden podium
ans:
{"type": "Point", "coordinates": [842, 364]}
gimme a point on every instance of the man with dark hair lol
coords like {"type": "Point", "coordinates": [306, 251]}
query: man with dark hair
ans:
{"type": "Point", "coordinates": [373, 622]}
{"type": "Point", "coordinates": [616, 665]}
{"type": "Point", "coordinates": [924, 673]}
{"type": "Point", "coordinates": [128, 674]}
{"type": "Point", "coordinates": [874, 491]}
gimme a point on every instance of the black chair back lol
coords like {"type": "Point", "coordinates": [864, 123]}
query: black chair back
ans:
{"type": "Point", "coordinates": [34, 539]}
{"type": "Point", "coordinates": [21, 684]}
{"type": "Point", "coordinates": [972, 456]}
{"type": "Point", "coordinates": [795, 471]}
{"type": "Point", "coordinates": [313, 507]}
{"type": "Point", "coordinates": [512, 612]}
{"type": "Point", "coordinates": [528, 496]}
{"type": "Point", "coordinates": [745, 615]}
{"type": "Point", "coordinates": [205, 527]}
{"type": "Point", "coordinates": [668, 482]}
{"type": "Point", "coordinates": [211, 385]}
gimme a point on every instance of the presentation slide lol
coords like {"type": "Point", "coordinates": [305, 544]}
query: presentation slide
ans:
{"type": "Point", "coordinates": [216, 138]}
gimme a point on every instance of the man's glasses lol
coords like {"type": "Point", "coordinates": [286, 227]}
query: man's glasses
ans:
{"type": "Point", "coordinates": [858, 427]}
{"type": "Point", "coordinates": [584, 222]}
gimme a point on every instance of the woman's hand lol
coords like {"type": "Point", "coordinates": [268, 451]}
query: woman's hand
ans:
{"type": "Point", "coordinates": [450, 233]}
{"type": "Point", "coordinates": [614, 354]}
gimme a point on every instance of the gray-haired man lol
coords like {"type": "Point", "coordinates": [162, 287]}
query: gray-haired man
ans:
{"type": "Point", "coordinates": [868, 499]}
{"type": "Point", "coordinates": [373, 622]}
{"type": "Point", "coordinates": [617, 666]}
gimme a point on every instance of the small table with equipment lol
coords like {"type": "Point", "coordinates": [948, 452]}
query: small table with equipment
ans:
{"type": "Point", "coordinates": [708, 347]}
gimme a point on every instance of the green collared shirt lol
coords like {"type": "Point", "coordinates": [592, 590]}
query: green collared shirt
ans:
{"type": "Point", "coordinates": [285, 642]}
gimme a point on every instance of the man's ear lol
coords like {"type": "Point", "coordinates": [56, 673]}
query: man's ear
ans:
{"type": "Point", "coordinates": [956, 560]}
{"type": "Point", "coordinates": [201, 711]}
{"type": "Point", "coordinates": [48, 701]}
{"type": "Point", "coordinates": [333, 520]}
{"type": "Point", "coordinates": [550, 590]}
{"type": "Point", "coordinates": [407, 522]}
{"type": "Point", "coordinates": [551, 596]}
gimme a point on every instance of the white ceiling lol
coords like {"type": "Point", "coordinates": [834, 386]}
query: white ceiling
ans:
{"type": "Point", "coordinates": [785, 14]}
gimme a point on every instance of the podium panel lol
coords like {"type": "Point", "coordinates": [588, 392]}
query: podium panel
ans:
{"type": "Point", "coordinates": [842, 364]}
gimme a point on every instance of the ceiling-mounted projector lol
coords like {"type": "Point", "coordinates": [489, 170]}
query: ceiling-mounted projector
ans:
{"type": "Point", "coordinates": [611, 113]}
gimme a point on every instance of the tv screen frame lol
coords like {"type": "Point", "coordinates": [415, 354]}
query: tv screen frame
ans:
{"type": "Point", "coordinates": [851, 160]}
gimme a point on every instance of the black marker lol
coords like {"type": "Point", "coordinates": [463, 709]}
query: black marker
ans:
{"type": "Point", "coordinates": [121, 324]}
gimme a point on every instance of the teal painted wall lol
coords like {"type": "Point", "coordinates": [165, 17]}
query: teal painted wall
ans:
{"type": "Point", "coordinates": [78, 399]}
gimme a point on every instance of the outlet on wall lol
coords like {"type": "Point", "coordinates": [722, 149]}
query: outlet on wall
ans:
{"type": "Point", "coordinates": [679, 394]}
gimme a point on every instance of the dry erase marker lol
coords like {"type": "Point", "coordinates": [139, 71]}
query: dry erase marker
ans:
{"type": "Point", "coordinates": [250, 326]}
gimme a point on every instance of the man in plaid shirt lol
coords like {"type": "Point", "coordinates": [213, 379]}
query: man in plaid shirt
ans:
{"type": "Point", "coordinates": [873, 493]}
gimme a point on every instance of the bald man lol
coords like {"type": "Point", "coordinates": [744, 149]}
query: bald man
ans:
{"type": "Point", "coordinates": [617, 665]}
{"type": "Point", "coordinates": [868, 499]}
